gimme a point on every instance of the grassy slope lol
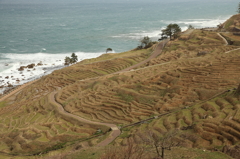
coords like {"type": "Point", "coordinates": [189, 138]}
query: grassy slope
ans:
{"type": "Point", "coordinates": [232, 22]}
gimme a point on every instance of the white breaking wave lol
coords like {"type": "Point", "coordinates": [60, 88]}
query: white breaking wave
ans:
{"type": "Point", "coordinates": [139, 35]}
{"type": "Point", "coordinates": [9, 73]}
{"type": "Point", "coordinates": [200, 23]}
{"type": "Point", "coordinates": [154, 35]}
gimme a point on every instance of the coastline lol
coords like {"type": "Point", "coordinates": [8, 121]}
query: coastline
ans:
{"type": "Point", "coordinates": [18, 73]}
{"type": "Point", "coordinates": [6, 89]}
{"type": "Point", "coordinates": [10, 78]}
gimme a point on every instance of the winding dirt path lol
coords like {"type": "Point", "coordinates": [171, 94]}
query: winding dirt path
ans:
{"type": "Point", "coordinates": [115, 130]}
{"type": "Point", "coordinates": [157, 51]}
{"type": "Point", "coordinates": [226, 43]}
{"type": "Point", "coordinates": [232, 50]}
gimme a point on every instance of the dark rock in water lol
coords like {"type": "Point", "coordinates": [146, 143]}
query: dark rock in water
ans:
{"type": "Point", "coordinates": [6, 64]}
{"type": "Point", "coordinates": [40, 63]}
{"type": "Point", "coordinates": [9, 85]}
{"type": "Point", "coordinates": [21, 68]}
{"type": "Point", "coordinates": [0, 76]}
{"type": "Point", "coordinates": [7, 77]}
{"type": "Point", "coordinates": [1, 86]}
{"type": "Point", "coordinates": [31, 65]}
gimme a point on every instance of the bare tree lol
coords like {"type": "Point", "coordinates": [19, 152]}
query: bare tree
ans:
{"type": "Point", "coordinates": [145, 42]}
{"type": "Point", "coordinates": [130, 151]}
{"type": "Point", "coordinates": [190, 27]}
{"type": "Point", "coordinates": [166, 142]}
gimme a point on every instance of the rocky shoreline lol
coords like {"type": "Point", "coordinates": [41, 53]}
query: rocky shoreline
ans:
{"type": "Point", "coordinates": [10, 82]}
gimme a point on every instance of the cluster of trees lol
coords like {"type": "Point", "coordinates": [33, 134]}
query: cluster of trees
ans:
{"type": "Point", "coordinates": [70, 60]}
{"type": "Point", "coordinates": [172, 31]}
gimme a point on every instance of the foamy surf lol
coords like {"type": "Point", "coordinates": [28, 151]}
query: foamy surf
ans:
{"type": "Point", "coordinates": [156, 34]}
{"type": "Point", "coordinates": [200, 23]}
{"type": "Point", "coordinates": [10, 64]}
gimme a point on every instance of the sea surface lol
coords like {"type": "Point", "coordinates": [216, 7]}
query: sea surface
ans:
{"type": "Point", "coordinates": [48, 31]}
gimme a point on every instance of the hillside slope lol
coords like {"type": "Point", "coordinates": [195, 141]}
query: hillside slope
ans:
{"type": "Point", "coordinates": [192, 82]}
{"type": "Point", "coordinates": [232, 24]}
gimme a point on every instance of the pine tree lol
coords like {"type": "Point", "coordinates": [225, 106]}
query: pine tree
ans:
{"type": "Point", "coordinates": [67, 60]}
{"type": "Point", "coordinates": [74, 58]}
{"type": "Point", "coordinates": [71, 60]}
{"type": "Point", "coordinates": [172, 30]}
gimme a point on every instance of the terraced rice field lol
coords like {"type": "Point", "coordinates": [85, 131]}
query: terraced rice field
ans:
{"type": "Point", "coordinates": [209, 125]}
{"type": "Point", "coordinates": [34, 126]}
{"type": "Point", "coordinates": [132, 96]}
{"type": "Point", "coordinates": [166, 86]}
{"type": "Point", "coordinates": [30, 124]}
{"type": "Point", "coordinates": [198, 41]}
{"type": "Point", "coordinates": [97, 91]}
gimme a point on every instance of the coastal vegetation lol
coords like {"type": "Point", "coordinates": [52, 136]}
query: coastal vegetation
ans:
{"type": "Point", "coordinates": [71, 60]}
{"type": "Point", "coordinates": [108, 49]}
{"type": "Point", "coordinates": [172, 31]}
{"type": "Point", "coordinates": [181, 100]}
{"type": "Point", "coordinates": [145, 42]}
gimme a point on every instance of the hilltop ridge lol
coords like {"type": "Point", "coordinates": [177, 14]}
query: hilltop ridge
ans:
{"type": "Point", "coordinates": [232, 24]}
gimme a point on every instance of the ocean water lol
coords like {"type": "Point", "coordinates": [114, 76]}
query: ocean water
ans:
{"type": "Point", "coordinates": [48, 31]}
